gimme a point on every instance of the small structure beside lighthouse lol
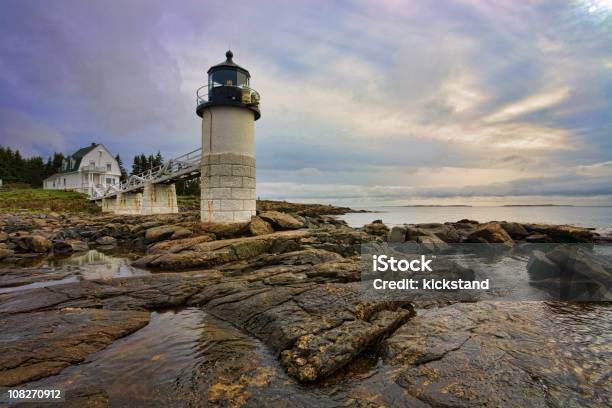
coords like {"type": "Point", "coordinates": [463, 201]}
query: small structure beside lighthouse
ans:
{"type": "Point", "coordinates": [228, 108]}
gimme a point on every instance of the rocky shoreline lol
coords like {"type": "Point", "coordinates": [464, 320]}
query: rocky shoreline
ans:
{"type": "Point", "coordinates": [291, 279]}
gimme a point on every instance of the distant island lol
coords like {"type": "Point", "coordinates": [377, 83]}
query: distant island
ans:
{"type": "Point", "coordinates": [537, 205]}
{"type": "Point", "coordinates": [434, 205]}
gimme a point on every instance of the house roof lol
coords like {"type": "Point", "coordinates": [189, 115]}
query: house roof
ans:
{"type": "Point", "coordinates": [77, 157]}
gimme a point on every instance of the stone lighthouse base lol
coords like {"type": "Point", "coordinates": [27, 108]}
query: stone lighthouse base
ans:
{"type": "Point", "coordinates": [228, 188]}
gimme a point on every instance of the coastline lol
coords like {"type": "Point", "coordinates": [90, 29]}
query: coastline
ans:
{"type": "Point", "coordinates": [290, 280]}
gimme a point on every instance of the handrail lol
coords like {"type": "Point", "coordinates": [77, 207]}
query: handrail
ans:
{"type": "Point", "coordinates": [173, 168]}
{"type": "Point", "coordinates": [249, 96]}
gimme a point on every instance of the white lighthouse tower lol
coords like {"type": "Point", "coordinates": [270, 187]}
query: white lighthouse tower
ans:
{"type": "Point", "coordinates": [228, 108]}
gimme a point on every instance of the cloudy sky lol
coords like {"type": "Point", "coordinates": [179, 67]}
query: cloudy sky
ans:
{"type": "Point", "coordinates": [395, 102]}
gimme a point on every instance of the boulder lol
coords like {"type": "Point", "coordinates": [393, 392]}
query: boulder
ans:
{"type": "Point", "coordinates": [397, 234]}
{"type": "Point", "coordinates": [260, 227]}
{"type": "Point", "coordinates": [376, 228]}
{"type": "Point", "coordinates": [491, 233]}
{"type": "Point", "coordinates": [447, 233]}
{"type": "Point", "coordinates": [178, 245]}
{"type": "Point", "coordinates": [5, 253]}
{"type": "Point", "coordinates": [39, 244]}
{"type": "Point", "coordinates": [3, 236]}
{"type": "Point", "coordinates": [281, 220]}
{"type": "Point", "coordinates": [540, 267]}
{"type": "Point", "coordinates": [222, 231]}
{"type": "Point", "coordinates": [432, 243]}
{"type": "Point", "coordinates": [181, 233]}
{"type": "Point", "coordinates": [70, 245]}
{"type": "Point", "coordinates": [466, 221]}
{"type": "Point", "coordinates": [538, 238]}
{"type": "Point", "coordinates": [160, 233]}
{"type": "Point", "coordinates": [515, 230]}
{"type": "Point", "coordinates": [563, 233]}
{"type": "Point", "coordinates": [106, 240]}
{"type": "Point", "coordinates": [580, 261]}
{"type": "Point", "coordinates": [413, 232]}
{"type": "Point", "coordinates": [210, 254]}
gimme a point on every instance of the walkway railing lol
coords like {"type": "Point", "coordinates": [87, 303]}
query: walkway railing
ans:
{"type": "Point", "coordinates": [243, 94]}
{"type": "Point", "coordinates": [184, 166]}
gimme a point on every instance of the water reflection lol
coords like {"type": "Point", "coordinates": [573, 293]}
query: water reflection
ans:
{"type": "Point", "coordinates": [97, 265]}
{"type": "Point", "coordinates": [88, 265]}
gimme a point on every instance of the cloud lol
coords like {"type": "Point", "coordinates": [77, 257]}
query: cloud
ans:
{"type": "Point", "coordinates": [24, 133]}
{"type": "Point", "coordinates": [532, 103]}
{"type": "Point", "coordinates": [366, 99]}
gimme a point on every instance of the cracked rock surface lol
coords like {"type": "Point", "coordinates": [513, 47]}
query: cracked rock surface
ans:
{"type": "Point", "coordinates": [292, 283]}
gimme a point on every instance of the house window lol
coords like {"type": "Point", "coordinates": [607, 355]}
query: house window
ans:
{"type": "Point", "coordinates": [108, 167]}
{"type": "Point", "coordinates": [64, 182]}
{"type": "Point", "coordinates": [109, 181]}
{"type": "Point", "coordinates": [92, 164]}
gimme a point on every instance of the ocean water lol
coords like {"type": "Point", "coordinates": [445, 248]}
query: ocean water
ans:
{"type": "Point", "coordinates": [599, 218]}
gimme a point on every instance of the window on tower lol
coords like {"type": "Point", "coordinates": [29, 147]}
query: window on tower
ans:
{"type": "Point", "coordinates": [223, 77]}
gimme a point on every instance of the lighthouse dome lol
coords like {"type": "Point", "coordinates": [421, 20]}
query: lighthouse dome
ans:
{"type": "Point", "coordinates": [228, 73]}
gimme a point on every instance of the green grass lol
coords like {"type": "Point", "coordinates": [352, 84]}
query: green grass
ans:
{"type": "Point", "coordinates": [37, 199]}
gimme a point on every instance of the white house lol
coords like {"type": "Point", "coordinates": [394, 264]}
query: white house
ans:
{"type": "Point", "coordinates": [88, 168]}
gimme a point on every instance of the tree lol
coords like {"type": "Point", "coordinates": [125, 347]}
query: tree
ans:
{"type": "Point", "coordinates": [33, 170]}
{"type": "Point", "coordinates": [143, 163]}
{"type": "Point", "coordinates": [124, 174]}
{"type": "Point", "coordinates": [136, 165]}
{"type": "Point", "coordinates": [158, 160]}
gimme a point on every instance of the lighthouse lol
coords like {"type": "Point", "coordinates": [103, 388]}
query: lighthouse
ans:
{"type": "Point", "coordinates": [228, 108]}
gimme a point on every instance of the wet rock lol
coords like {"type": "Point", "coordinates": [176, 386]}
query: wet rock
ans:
{"type": "Point", "coordinates": [106, 240]}
{"type": "Point", "coordinates": [447, 233]}
{"type": "Point", "coordinates": [46, 342]}
{"type": "Point", "coordinates": [38, 244]}
{"type": "Point", "coordinates": [209, 254]}
{"type": "Point", "coordinates": [515, 230]}
{"type": "Point", "coordinates": [5, 253]}
{"type": "Point", "coordinates": [540, 267]}
{"type": "Point", "coordinates": [161, 233]}
{"type": "Point", "coordinates": [376, 228]}
{"type": "Point", "coordinates": [467, 221]}
{"type": "Point", "coordinates": [260, 227]}
{"type": "Point", "coordinates": [563, 233]}
{"type": "Point", "coordinates": [11, 277]}
{"type": "Point", "coordinates": [413, 232]}
{"type": "Point", "coordinates": [146, 225]}
{"type": "Point", "coordinates": [489, 354]}
{"type": "Point", "coordinates": [492, 233]}
{"type": "Point", "coordinates": [587, 276]}
{"type": "Point", "coordinates": [344, 241]}
{"type": "Point", "coordinates": [87, 396]}
{"type": "Point", "coordinates": [309, 256]}
{"type": "Point", "coordinates": [178, 245]}
{"type": "Point", "coordinates": [431, 243]}
{"type": "Point", "coordinates": [3, 236]}
{"type": "Point", "coordinates": [181, 233]}
{"type": "Point", "coordinates": [70, 245]}
{"type": "Point", "coordinates": [311, 210]}
{"type": "Point", "coordinates": [133, 293]}
{"type": "Point", "coordinates": [538, 238]}
{"type": "Point", "coordinates": [318, 355]}
{"type": "Point", "coordinates": [282, 221]}
{"type": "Point", "coordinates": [397, 234]}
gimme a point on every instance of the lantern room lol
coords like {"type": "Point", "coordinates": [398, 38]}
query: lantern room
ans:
{"type": "Point", "coordinates": [228, 84]}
